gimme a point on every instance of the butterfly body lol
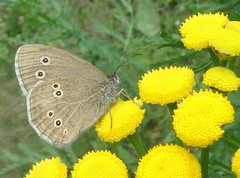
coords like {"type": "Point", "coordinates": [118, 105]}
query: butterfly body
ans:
{"type": "Point", "coordinates": [65, 94]}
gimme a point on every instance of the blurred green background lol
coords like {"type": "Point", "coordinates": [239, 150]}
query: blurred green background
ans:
{"type": "Point", "coordinates": [106, 33]}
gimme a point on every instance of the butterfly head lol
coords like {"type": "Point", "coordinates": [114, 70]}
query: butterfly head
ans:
{"type": "Point", "coordinates": [114, 78]}
{"type": "Point", "coordinates": [111, 88]}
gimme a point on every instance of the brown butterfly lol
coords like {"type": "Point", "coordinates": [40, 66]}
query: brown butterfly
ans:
{"type": "Point", "coordinates": [65, 93]}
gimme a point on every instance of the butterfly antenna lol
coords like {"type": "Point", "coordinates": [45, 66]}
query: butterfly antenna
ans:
{"type": "Point", "coordinates": [126, 61]}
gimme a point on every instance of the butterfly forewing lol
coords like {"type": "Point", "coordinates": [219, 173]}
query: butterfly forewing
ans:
{"type": "Point", "coordinates": [36, 62]}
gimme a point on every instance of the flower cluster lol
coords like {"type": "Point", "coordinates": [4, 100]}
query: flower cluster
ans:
{"type": "Point", "coordinates": [160, 161]}
{"type": "Point", "coordinates": [93, 164]}
{"type": "Point", "coordinates": [212, 30]}
{"type": "Point", "coordinates": [199, 116]}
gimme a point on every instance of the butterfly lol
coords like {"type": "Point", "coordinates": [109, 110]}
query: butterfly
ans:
{"type": "Point", "coordinates": [65, 94]}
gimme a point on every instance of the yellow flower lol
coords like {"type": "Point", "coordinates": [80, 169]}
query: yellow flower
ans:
{"type": "Point", "coordinates": [198, 119]}
{"type": "Point", "coordinates": [168, 161]}
{"type": "Point", "coordinates": [225, 43]}
{"type": "Point", "coordinates": [99, 164]}
{"type": "Point", "coordinates": [233, 25]}
{"type": "Point", "coordinates": [53, 168]}
{"type": "Point", "coordinates": [166, 85]}
{"type": "Point", "coordinates": [236, 163]}
{"type": "Point", "coordinates": [221, 78]}
{"type": "Point", "coordinates": [198, 29]}
{"type": "Point", "coordinates": [212, 30]}
{"type": "Point", "coordinates": [123, 119]}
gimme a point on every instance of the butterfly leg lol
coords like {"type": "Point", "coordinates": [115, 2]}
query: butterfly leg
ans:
{"type": "Point", "coordinates": [111, 123]}
{"type": "Point", "coordinates": [125, 93]}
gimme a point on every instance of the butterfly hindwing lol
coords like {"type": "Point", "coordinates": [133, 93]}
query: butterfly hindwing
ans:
{"type": "Point", "coordinates": [60, 109]}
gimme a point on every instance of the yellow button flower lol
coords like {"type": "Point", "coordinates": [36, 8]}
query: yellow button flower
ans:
{"type": "Point", "coordinates": [99, 164]}
{"type": "Point", "coordinates": [123, 119]}
{"type": "Point", "coordinates": [233, 25]}
{"type": "Point", "coordinates": [225, 43]}
{"type": "Point", "coordinates": [221, 78]}
{"type": "Point", "coordinates": [166, 85]}
{"type": "Point", "coordinates": [236, 163]}
{"type": "Point", "coordinates": [198, 119]}
{"type": "Point", "coordinates": [198, 29]}
{"type": "Point", "coordinates": [168, 161]}
{"type": "Point", "coordinates": [53, 168]}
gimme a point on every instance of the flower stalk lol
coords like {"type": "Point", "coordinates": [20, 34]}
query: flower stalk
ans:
{"type": "Point", "coordinates": [137, 143]}
{"type": "Point", "coordinates": [232, 63]}
{"type": "Point", "coordinates": [171, 107]}
{"type": "Point", "coordinates": [204, 161]}
{"type": "Point", "coordinates": [214, 58]}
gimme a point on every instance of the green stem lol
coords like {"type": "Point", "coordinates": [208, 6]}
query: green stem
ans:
{"type": "Point", "coordinates": [204, 161]}
{"type": "Point", "coordinates": [224, 63]}
{"type": "Point", "coordinates": [135, 140]}
{"type": "Point", "coordinates": [171, 108]}
{"type": "Point", "coordinates": [214, 58]}
{"type": "Point", "coordinates": [232, 63]}
{"type": "Point", "coordinates": [178, 141]}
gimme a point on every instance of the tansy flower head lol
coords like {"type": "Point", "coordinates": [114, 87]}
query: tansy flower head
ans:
{"type": "Point", "coordinates": [99, 164]}
{"type": "Point", "coordinates": [123, 119]}
{"type": "Point", "coordinates": [236, 163]}
{"type": "Point", "coordinates": [53, 168]}
{"type": "Point", "coordinates": [233, 25]}
{"type": "Point", "coordinates": [198, 29]}
{"type": "Point", "coordinates": [225, 43]}
{"type": "Point", "coordinates": [198, 119]}
{"type": "Point", "coordinates": [221, 78]}
{"type": "Point", "coordinates": [168, 161]}
{"type": "Point", "coordinates": [166, 85]}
